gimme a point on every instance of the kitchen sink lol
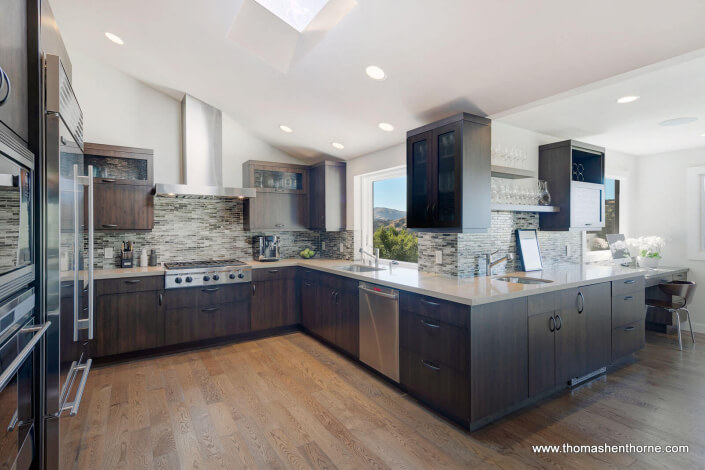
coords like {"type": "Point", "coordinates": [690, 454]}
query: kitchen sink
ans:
{"type": "Point", "coordinates": [522, 280]}
{"type": "Point", "coordinates": [360, 268]}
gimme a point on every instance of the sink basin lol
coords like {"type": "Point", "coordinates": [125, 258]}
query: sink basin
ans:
{"type": "Point", "coordinates": [522, 280]}
{"type": "Point", "coordinates": [360, 268]}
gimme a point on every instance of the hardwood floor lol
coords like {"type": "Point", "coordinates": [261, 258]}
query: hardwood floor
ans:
{"type": "Point", "coordinates": [290, 402]}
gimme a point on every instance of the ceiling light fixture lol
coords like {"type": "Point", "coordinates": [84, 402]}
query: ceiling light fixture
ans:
{"type": "Point", "coordinates": [385, 126]}
{"type": "Point", "coordinates": [375, 73]}
{"type": "Point", "coordinates": [286, 129]}
{"type": "Point", "coordinates": [338, 145]}
{"type": "Point", "coordinates": [702, 135]}
{"type": "Point", "coordinates": [677, 121]}
{"type": "Point", "coordinates": [296, 13]}
{"type": "Point", "coordinates": [627, 99]}
{"type": "Point", "coordinates": [115, 38]}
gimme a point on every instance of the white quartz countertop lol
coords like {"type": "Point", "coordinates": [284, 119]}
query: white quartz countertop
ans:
{"type": "Point", "coordinates": [469, 291]}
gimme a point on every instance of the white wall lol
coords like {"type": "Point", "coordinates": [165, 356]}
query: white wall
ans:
{"type": "Point", "coordinates": [661, 210]}
{"type": "Point", "coordinates": [121, 110]}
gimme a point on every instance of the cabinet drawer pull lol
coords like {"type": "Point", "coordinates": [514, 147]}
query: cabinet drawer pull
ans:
{"type": "Point", "coordinates": [429, 303]}
{"type": "Point", "coordinates": [210, 289]}
{"type": "Point", "coordinates": [629, 281]}
{"type": "Point", "coordinates": [109, 226]}
{"type": "Point", "coordinates": [254, 289]}
{"type": "Point", "coordinates": [132, 281]}
{"type": "Point", "coordinates": [628, 328]}
{"type": "Point", "coordinates": [307, 283]}
{"type": "Point", "coordinates": [161, 299]}
{"type": "Point", "coordinates": [559, 322]}
{"type": "Point", "coordinates": [551, 324]}
{"type": "Point", "coordinates": [429, 365]}
{"type": "Point", "coordinates": [430, 325]}
{"type": "Point", "coordinates": [581, 304]}
{"type": "Point", "coordinates": [273, 271]}
{"type": "Point", "coordinates": [279, 225]}
{"type": "Point", "coordinates": [629, 297]}
{"type": "Point", "coordinates": [209, 309]}
{"type": "Point", "coordinates": [108, 180]}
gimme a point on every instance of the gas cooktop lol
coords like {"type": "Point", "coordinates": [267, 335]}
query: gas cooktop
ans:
{"type": "Point", "coordinates": [206, 273]}
{"type": "Point", "coordinates": [218, 263]}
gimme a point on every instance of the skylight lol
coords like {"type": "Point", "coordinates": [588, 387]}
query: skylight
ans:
{"type": "Point", "coordinates": [296, 13]}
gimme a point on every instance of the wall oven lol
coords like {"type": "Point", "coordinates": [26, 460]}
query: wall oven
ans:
{"type": "Point", "coordinates": [19, 337]}
{"type": "Point", "coordinates": [16, 218]}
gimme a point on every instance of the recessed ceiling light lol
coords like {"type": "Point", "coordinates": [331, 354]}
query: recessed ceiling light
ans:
{"type": "Point", "coordinates": [627, 99]}
{"type": "Point", "coordinates": [115, 38]}
{"type": "Point", "coordinates": [286, 129]}
{"type": "Point", "coordinates": [677, 121]}
{"type": "Point", "coordinates": [338, 145]}
{"type": "Point", "coordinates": [702, 135]}
{"type": "Point", "coordinates": [375, 73]}
{"type": "Point", "coordinates": [296, 13]}
{"type": "Point", "coordinates": [385, 126]}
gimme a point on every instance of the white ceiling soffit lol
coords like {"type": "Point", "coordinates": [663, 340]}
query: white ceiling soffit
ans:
{"type": "Point", "coordinates": [275, 42]}
{"type": "Point", "coordinates": [667, 90]}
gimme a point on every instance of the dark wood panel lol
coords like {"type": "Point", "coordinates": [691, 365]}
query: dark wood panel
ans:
{"type": "Point", "coordinates": [543, 303]}
{"type": "Point", "coordinates": [435, 340]}
{"type": "Point", "coordinates": [131, 284]}
{"type": "Point", "coordinates": [120, 207]}
{"type": "Point", "coordinates": [317, 197]}
{"type": "Point", "coordinates": [310, 305]}
{"type": "Point", "coordinates": [571, 338]}
{"type": "Point", "coordinates": [271, 274]}
{"type": "Point", "coordinates": [274, 304]}
{"type": "Point", "coordinates": [437, 309]}
{"type": "Point", "coordinates": [207, 295]}
{"type": "Point", "coordinates": [598, 313]}
{"type": "Point", "coordinates": [628, 308]}
{"type": "Point", "coordinates": [626, 286]}
{"type": "Point", "coordinates": [14, 114]}
{"type": "Point", "coordinates": [184, 325]}
{"type": "Point", "coordinates": [498, 357]}
{"type": "Point", "coordinates": [347, 327]}
{"type": "Point", "coordinates": [627, 339]}
{"type": "Point", "coordinates": [542, 356]}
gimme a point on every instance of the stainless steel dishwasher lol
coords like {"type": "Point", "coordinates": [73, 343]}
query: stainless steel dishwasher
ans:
{"type": "Point", "coordinates": [379, 329]}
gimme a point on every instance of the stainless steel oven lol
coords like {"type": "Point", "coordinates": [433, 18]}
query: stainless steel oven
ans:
{"type": "Point", "coordinates": [19, 337]}
{"type": "Point", "coordinates": [16, 218]}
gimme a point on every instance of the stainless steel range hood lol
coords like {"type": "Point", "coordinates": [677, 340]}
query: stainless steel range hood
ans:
{"type": "Point", "coordinates": [202, 132]}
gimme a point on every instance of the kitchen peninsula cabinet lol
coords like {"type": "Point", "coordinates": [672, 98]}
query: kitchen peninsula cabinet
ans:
{"type": "Point", "coordinates": [448, 175]}
{"type": "Point", "coordinates": [274, 298]}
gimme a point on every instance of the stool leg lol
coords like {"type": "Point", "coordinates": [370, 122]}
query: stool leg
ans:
{"type": "Point", "coordinates": [678, 321]}
{"type": "Point", "coordinates": [692, 336]}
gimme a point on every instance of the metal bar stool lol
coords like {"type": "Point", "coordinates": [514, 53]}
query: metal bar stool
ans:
{"type": "Point", "coordinates": [681, 293]}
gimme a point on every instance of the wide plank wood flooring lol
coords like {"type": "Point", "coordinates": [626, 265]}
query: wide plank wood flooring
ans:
{"type": "Point", "coordinates": [290, 402]}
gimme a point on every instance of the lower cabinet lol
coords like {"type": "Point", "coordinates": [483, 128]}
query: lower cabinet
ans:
{"type": "Point", "coordinates": [274, 298]}
{"type": "Point", "coordinates": [628, 313]}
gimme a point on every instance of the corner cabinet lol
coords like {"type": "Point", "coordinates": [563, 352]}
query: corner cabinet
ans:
{"type": "Point", "coordinates": [327, 196]}
{"type": "Point", "coordinates": [448, 175]}
{"type": "Point", "coordinates": [575, 172]}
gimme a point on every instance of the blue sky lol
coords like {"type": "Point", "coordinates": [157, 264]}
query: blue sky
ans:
{"type": "Point", "coordinates": [609, 188]}
{"type": "Point", "coordinates": [390, 193]}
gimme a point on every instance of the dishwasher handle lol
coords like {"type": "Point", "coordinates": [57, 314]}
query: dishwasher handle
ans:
{"type": "Point", "coordinates": [381, 294]}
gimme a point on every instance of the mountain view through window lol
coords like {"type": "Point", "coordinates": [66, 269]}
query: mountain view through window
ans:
{"type": "Point", "coordinates": [391, 236]}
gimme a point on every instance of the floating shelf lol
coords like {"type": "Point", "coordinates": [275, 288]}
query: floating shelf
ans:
{"type": "Point", "coordinates": [523, 208]}
{"type": "Point", "coordinates": [511, 173]}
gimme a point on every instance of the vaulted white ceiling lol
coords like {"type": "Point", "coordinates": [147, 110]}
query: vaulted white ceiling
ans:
{"type": "Point", "coordinates": [485, 57]}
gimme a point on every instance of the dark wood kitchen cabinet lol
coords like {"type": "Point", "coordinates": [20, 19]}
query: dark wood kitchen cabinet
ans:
{"type": "Point", "coordinates": [628, 318]}
{"type": "Point", "coordinates": [14, 112]}
{"type": "Point", "coordinates": [448, 175]}
{"type": "Point", "coordinates": [327, 196]}
{"type": "Point", "coordinates": [575, 172]}
{"type": "Point", "coordinates": [123, 187]}
{"type": "Point", "coordinates": [129, 315]}
{"type": "Point", "coordinates": [274, 298]}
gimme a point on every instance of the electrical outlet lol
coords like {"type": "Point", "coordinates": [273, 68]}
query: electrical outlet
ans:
{"type": "Point", "coordinates": [341, 248]}
{"type": "Point", "coordinates": [108, 254]}
{"type": "Point", "coordinates": [439, 257]}
{"type": "Point", "coordinates": [323, 246]}
{"type": "Point", "coordinates": [568, 251]}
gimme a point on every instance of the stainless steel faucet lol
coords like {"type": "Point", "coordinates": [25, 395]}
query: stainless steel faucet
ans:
{"type": "Point", "coordinates": [375, 256]}
{"type": "Point", "coordinates": [489, 264]}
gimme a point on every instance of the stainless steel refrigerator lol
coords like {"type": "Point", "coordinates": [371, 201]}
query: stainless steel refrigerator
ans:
{"type": "Point", "coordinates": [67, 251]}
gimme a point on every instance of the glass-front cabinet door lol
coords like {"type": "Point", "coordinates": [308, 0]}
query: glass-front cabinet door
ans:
{"type": "Point", "coordinates": [279, 179]}
{"type": "Point", "coordinates": [420, 171]}
{"type": "Point", "coordinates": [446, 204]}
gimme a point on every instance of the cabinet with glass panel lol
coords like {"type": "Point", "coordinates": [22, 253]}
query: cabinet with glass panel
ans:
{"type": "Point", "coordinates": [448, 172]}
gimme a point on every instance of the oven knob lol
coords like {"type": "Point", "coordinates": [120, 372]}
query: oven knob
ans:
{"type": "Point", "coordinates": [206, 278]}
{"type": "Point", "coordinates": [232, 276]}
{"type": "Point", "coordinates": [216, 277]}
{"type": "Point", "coordinates": [177, 280]}
{"type": "Point", "coordinates": [241, 275]}
{"type": "Point", "coordinates": [189, 279]}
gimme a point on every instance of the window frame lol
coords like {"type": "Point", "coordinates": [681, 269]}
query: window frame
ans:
{"type": "Point", "coordinates": [606, 255]}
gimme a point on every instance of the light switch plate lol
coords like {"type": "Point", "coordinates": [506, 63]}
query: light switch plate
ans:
{"type": "Point", "coordinates": [109, 253]}
{"type": "Point", "coordinates": [568, 251]}
{"type": "Point", "coordinates": [439, 257]}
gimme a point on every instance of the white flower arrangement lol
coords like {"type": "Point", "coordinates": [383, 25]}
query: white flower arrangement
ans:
{"type": "Point", "coordinates": [647, 250]}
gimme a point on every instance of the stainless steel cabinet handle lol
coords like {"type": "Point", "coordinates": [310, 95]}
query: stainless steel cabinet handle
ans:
{"type": "Point", "coordinates": [429, 365]}
{"type": "Point", "coordinates": [428, 302]}
{"type": "Point", "coordinates": [307, 283]}
{"type": "Point", "coordinates": [581, 305]}
{"type": "Point", "coordinates": [629, 297]}
{"type": "Point", "coordinates": [629, 328]}
{"type": "Point", "coordinates": [107, 180]}
{"type": "Point", "coordinates": [278, 225]}
{"type": "Point", "coordinates": [551, 324]}
{"type": "Point", "coordinates": [273, 271]}
{"type": "Point", "coordinates": [210, 289]}
{"type": "Point", "coordinates": [6, 79]}
{"type": "Point", "coordinates": [13, 422]}
{"type": "Point", "coordinates": [74, 405]}
{"type": "Point", "coordinates": [132, 281]}
{"type": "Point", "coordinates": [629, 281]}
{"type": "Point", "coordinates": [161, 299]}
{"type": "Point", "coordinates": [209, 309]}
{"type": "Point", "coordinates": [109, 226]}
{"type": "Point", "coordinates": [254, 288]}
{"type": "Point", "coordinates": [15, 365]}
{"type": "Point", "coordinates": [429, 324]}
{"type": "Point", "coordinates": [559, 322]}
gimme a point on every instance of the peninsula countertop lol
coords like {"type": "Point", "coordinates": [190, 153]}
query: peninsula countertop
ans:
{"type": "Point", "coordinates": [469, 291]}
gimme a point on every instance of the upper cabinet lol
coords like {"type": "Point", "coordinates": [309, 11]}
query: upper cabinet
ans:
{"type": "Point", "coordinates": [575, 172]}
{"type": "Point", "coordinates": [327, 196]}
{"type": "Point", "coordinates": [448, 175]}
{"type": "Point", "coordinates": [14, 107]}
{"type": "Point", "coordinates": [282, 196]}
{"type": "Point", "coordinates": [123, 187]}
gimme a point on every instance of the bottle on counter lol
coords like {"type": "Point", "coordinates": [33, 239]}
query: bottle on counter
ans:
{"type": "Point", "coordinates": [143, 257]}
{"type": "Point", "coordinates": [153, 257]}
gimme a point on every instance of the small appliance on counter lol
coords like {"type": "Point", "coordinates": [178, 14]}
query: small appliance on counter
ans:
{"type": "Point", "coordinates": [268, 248]}
{"type": "Point", "coordinates": [153, 257]}
{"type": "Point", "coordinates": [127, 255]}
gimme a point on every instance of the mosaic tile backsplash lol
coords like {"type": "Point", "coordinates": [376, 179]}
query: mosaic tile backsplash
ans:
{"type": "Point", "coordinates": [192, 229]}
{"type": "Point", "coordinates": [463, 254]}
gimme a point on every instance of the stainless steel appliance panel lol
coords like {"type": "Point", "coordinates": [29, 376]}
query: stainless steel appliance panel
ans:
{"type": "Point", "coordinates": [379, 329]}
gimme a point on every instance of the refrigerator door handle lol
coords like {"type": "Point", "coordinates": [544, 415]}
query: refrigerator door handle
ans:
{"type": "Point", "coordinates": [76, 402]}
{"type": "Point", "coordinates": [9, 373]}
{"type": "Point", "coordinates": [76, 248]}
{"type": "Point", "coordinates": [88, 181]}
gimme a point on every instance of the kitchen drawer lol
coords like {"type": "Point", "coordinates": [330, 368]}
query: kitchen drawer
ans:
{"type": "Point", "coordinates": [627, 339]}
{"type": "Point", "coordinates": [273, 274]}
{"type": "Point", "coordinates": [435, 384]}
{"type": "Point", "coordinates": [680, 276]}
{"type": "Point", "coordinates": [434, 340]}
{"type": "Point", "coordinates": [624, 286]}
{"type": "Point", "coordinates": [184, 325]}
{"type": "Point", "coordinates": [132, 284]}
{"type": "Point", "coordinates": [628, 308]}
{"type": "Point", "coordinates": [436, 309]}
{"type": "Point", "coordinates": [338, 283]}
{"type": "Point", "coordinates": [308, 274]}
{"type": "Point", "coordinates": [542, 303]}
{"type": "Point", "coordinates": [207, 295]}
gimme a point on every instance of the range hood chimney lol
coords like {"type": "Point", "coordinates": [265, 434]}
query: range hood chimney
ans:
{"type": "Point", "coordinates": [202, 143]}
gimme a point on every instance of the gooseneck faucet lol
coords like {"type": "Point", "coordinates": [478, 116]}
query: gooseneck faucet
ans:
{"type": "Point", "coordinates": [489, 264]}
{"type": "Point", "coordinates": [375, 256]}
